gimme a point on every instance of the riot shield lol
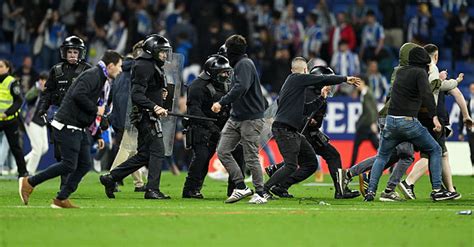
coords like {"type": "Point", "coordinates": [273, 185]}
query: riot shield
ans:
{"type": "Point", "coordinates": [269, 117]}
{"type": "Point", "coordinates": [174, 82]}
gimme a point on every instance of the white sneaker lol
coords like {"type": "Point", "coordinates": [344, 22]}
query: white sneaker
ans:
{"type": "Point", "coordinates": [238, 195]}
{"type": "Point", "coordinates": [257, 199]}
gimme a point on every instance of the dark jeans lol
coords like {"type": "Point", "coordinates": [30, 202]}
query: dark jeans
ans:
{"type": "Point", "coordinates": [328, 153]}
{"type": "Point", "coordinates": [402, 156]}
{"type": "Point", "coordinates": [150, 153]}
{"type": "Point", "coordinates": [296, 150]}
{"type": "Point", "coordinates": [361, 135]}
{"type": "Point", "coordinates": [398, 130]}
{"type": "Point", "coordinates": [203, 146]}
{"type": "Point", "coordinates": [75, 161]}
{"type": "Point", "coordinates": [10, 128]}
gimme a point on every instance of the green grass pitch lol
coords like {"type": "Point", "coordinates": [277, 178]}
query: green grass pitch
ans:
{"type": "Point", "coordinates": [130, 220]}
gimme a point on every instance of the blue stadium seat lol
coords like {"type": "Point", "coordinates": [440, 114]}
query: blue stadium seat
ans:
{"type": "Point", "coordinates": [445, 65]}
{"type": "Point", "coordinates": [464, 67]}
{"type": "Point", "coordinates": [470, 10]}
{"type": "Point", "coordinates": [22, 49]}
{"type": "Point", "coordinates": [5, 47]}
{"type": "Point", "coordinates": [446, 54]}
{"type": "Point", "coordinates": [338, 8]}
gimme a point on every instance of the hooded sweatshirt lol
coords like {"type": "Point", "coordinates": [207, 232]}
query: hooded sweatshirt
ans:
{"type": "Point", "coordinates": [411, 88]}
{"type": "Point", "coordinates": [403, 61]}
{"type": "Point", "coordinates": [245, 95]}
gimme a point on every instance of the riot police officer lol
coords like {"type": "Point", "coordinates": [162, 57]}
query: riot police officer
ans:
{"type": "Point", "coordinates": [202, 135]}
{"type": "Point", "coordinates": [148, 81]}
{"type": "Point", "coordinates": [61, 76]}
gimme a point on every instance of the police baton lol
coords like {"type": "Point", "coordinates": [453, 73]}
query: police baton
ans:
{"type": "Point", "coordinates": [191, 116]}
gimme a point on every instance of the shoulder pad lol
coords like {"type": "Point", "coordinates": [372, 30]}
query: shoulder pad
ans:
{"type": "Point", "coordinates": [58, 69]}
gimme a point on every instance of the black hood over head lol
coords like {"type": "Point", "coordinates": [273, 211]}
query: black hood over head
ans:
{"type": "Point", "coordinates": [419, 57]}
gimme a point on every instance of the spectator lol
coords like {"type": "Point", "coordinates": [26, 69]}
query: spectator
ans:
{"type": "Point", "coordinates": [461, 30]}
{"type": "Point", "coordinates": [326, 21]}
{"type": "Point", "coordinates": [11, 14]}
{"type": "Point", "coordinates": [143, 20]}
{"type": "Point", "coordinates": [313, 38]}
{"type": "Point", "coordinates": [184, 26]}
{"type": "Point", "coordinates": [451, 8]}
{"type": "Point", "coordinates": [280, 31]}
{"type": "Point", "coordinates": [279, 69]}
{"type": "Point", "coordinates": [377, 83]}
{"type": "Point", "coordinates": [117, 33]}
{"type": "Point", "coordinates": [54, 33]}
{"type": "Point", "coordinates": [393, 12]}
{"type": "Point", "coordinates": [35, 126]}
{"type": "Point", "coordinates": [357, 12]}
{"type": "Point", "coordinates": [345, 62]}
{"type": "Point", "coordinates": [27, 75]}
{"type": "Point", "coordinates": [296, 29]}
{"type": "Point", "coordinates": [372, 38]}
{"type": "Point", "coordinates": [343, 31]}
{"type": "Point", "coordinates": [420, 25]}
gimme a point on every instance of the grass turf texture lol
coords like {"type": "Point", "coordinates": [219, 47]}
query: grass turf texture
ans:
{"type": "Point", "coordinates": [130, 220]}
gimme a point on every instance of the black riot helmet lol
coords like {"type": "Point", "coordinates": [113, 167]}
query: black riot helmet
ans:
{"type": "Point", "coordinates": [322, 70]}
{"type": "Point", "coordinates": [215, 65]}
{"type": "Point", "coordinates": [73, 42]}
{"type": "Point", "coordinates": [154, 44]}
{"type": "Point", "coordinates": [222, 50]}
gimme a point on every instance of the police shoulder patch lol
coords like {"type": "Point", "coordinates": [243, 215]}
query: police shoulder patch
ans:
{"type": "Point", "coordinates": [16, 90]}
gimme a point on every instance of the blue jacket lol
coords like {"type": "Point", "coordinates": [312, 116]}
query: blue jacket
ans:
{"type": "Point", "coordinates": [121, 94]}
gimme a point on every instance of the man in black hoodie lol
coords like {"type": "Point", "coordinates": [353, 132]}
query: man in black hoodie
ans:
{"type": "Point", "coordinates": [410, 90]}
{"type": "Point", "coordinates": [245, 123]}
{"type": "Point", "coordinates": [77, 112]}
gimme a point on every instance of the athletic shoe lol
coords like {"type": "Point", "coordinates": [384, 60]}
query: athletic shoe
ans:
{"type": "Point", "coordinates": [268, 196]}
{"type": "Point", "coordinates": [369, 196]}
{"type": "Point", "coordinates": [457, 195]}
{"type": "Point", "coordinates": [62, 204]}
{"type": "Point", "coordinates": [281, 192]}
{"type": "Point", "coordinates": [442, 195]}
{"type": "Point", "coordinates": [407, 190]}
{"type": "Point", "coordinates": [257, 199]}
{"type": "Point", "coordinates": [392, 196]}
{"type": "Point", "coordinates": [25, 189]}
{"type": "Point", "coordinates": [238, 195]}
{"type": "Point", "coordinates": [363, 183]}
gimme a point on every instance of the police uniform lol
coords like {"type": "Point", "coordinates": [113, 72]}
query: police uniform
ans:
{"type": "Point", "coordinates": [10, 104]}
{"type": "Point", "coordinates": [61, 77]}
{"type": "Point", "coordinates": [148, 81]}
{"type": "Point", "coordinates": [204, 135]}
